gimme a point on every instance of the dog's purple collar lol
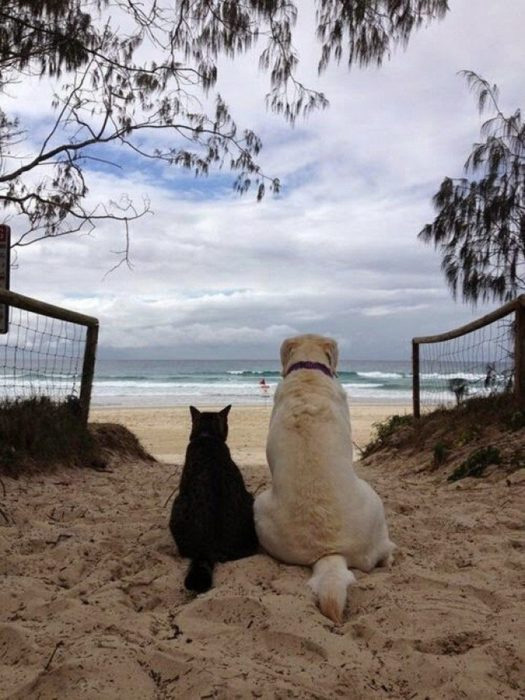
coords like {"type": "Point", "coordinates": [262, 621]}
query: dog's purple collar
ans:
{"type": "Point", "coordinates": [310, 365]}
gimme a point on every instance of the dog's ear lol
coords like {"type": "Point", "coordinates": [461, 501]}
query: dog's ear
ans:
{"type": "Point", "coordinates": [332, 352]}
{"type": "Point", "coordinates": [286, 348]}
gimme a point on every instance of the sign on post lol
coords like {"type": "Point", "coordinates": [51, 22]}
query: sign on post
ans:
{"type": "Point", "coordinates": [5, 242]}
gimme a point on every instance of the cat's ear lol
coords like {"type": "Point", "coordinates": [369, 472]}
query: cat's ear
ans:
{"type": "Point", "coordinates": [223, 421]}
{"type": "Point", "coordinates": [195, 413]}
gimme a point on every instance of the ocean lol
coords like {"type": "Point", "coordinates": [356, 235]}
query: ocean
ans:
{"type": "Point", "coordinates": [220, 382]}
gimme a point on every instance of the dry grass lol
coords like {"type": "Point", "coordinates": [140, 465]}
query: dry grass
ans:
{"type": "Point", "coordinates": [480, 436]}
{"type": "Point", "coordinates": [117, 442]}
{"type": "Point", "coordinates": [38, 434]}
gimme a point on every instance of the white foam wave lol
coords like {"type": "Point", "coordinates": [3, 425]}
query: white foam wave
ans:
{"type": "Point", "coordinates": [382, 375]}
{"type": "Point", "coordinates": [469, 376]}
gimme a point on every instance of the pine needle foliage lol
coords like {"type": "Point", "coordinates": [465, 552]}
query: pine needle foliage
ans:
{"type": "Point", "coordinates": [480, 224]}
{"type": "Point", "coordinates": [140, 78]}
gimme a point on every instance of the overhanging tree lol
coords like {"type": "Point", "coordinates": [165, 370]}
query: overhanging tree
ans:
{"type": "Point", "coordinates": [131, 75]}
{"type": "Point", "coordinates": [480, 225]}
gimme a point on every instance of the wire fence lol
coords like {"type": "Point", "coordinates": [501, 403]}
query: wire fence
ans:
{"type": "Point", "coordinates": [41, 356]}
{"type": "Point", "coordinates": [47, 351]}
{"type": "Point", "coordinates": [484, 358]}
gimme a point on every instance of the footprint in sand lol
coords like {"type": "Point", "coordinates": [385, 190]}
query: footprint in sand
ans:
{"type": "Point", "coordinates": [15, 645]}
{"type": "Point", "coordinates": [465, 596]}
{"type": "Point", "coordinates": [143, 598]}
{"type": "Point", "coordinates": [451, 644]}
{"type": "Point", "coordinates": [91, 677]}
{"type": "Point", "coordinates": [239, 611]}
{"type": "Point", "coordinates": [294, 645]}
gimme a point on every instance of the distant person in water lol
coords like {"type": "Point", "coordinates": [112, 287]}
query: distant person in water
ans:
{"type": "Point", "coordinates": [264, 386]}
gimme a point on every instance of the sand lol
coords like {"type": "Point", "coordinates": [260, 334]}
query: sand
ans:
{"type": "Point", "coordinates": [164, 431]}
{"type": "Point", "coordinates": [92, 603]}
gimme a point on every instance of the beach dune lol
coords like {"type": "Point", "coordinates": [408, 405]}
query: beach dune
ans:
{"type": "Point", "coordinates": [92, 601]}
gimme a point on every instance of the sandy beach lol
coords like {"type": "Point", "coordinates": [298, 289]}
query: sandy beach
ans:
{"type": "Point", "coordinates": [164, 431]}
{"type": "Point", "coordinates": [92, 602]}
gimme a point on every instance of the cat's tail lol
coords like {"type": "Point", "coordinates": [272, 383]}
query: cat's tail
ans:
{"type": "Point", "coordinates": [200, 575]}
{"type": "Point", "coordinates": [329, 582]}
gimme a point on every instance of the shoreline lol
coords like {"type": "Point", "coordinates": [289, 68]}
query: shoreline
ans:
{"type": "Point", "coordinates": [217, 405]}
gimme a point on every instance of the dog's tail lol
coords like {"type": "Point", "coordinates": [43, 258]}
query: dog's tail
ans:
{"type": "Point", "coordinates": [200, 575]}
{"type": "Point", "coordinates": [329, 582]}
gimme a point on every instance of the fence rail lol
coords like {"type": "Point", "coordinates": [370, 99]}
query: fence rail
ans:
{"type": "Point", "coordinates": [34, 349]}
{"type": "Point", "coordinates": [515, 352]}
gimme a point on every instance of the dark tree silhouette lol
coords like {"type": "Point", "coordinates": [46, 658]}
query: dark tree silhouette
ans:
{"type": "Point", "coordinates": [129, 76]}
{"type": "Point", "coordinates": [480, 226]}
{"type": "Point", "coordinates": [459, 387]}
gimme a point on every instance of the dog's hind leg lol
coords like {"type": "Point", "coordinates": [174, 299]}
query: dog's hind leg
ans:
{"type": "Point", "coordinates": [387, 559]}
{"type": "Point", "coordinates": [330, 581]}
{"type": "Point", "coordinates": [266, 524]}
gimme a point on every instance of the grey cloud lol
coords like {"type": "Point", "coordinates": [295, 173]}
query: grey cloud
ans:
{"type": "Point", "coordinates": [337, 252]}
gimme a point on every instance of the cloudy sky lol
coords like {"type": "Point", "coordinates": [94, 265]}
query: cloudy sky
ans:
{"type": "Point", "coordinates": [216, 275]}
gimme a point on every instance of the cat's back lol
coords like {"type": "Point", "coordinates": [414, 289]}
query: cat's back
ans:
{"type": "Point", "coordinates": [203, 462]}
{"type": "Point", "coordinates": [197, 506]}
{"type": "Point", "coordinates": [210, 472]}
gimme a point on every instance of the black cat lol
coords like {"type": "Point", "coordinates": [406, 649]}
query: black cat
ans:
{"type": "Point", "coordinates": [212, 516]}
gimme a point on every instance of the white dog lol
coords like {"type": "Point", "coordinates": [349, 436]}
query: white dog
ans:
{"type": "Point", "coordinates": [318, 512]}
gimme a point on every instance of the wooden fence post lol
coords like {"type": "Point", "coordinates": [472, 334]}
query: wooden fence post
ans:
{"type": "Point", "coordinates": [415, 379]}
{"type": "Point", "coordinates": [88, 370]}
{"type": "Point", "coordinates": [5, 267]}
{"type": "Point", "coordinates": [519, 353]}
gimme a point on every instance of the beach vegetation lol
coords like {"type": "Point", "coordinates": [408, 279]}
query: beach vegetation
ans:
{"type": "Point", "coordinates": [476, 463]}
{"type": "Point", "coordinates": [517, 420]}
{"type": "Point", "coordinates": [38, 433]}
{"type": "Point", "coordinates": [441, 453]}
{"type": "Point", "coordinates": [459, 387]}
{"type": "Point", "coordinates": [480, 217]}
{"type": "Point", "coordinates": [138, 81]}
{"type": "Point", "coordinates": [468, 434]}
{"type": "Point", "coordinates": [385, 431]}
{"type": "Point", "coordinates": [457, 441]}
